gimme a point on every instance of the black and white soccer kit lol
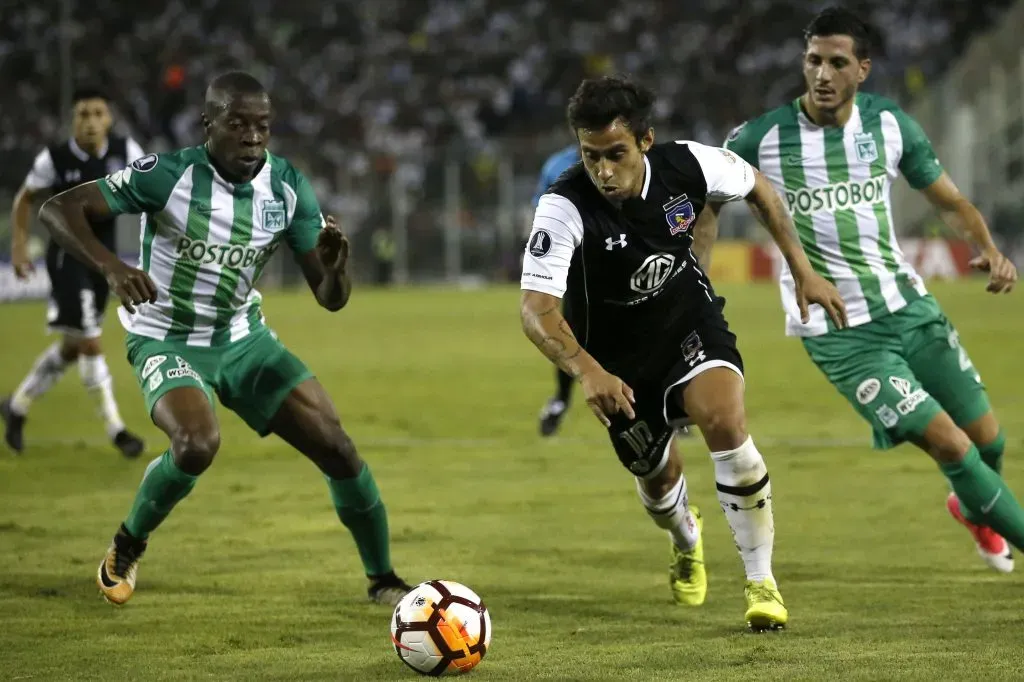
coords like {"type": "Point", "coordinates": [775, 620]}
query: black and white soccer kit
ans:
{"type": "Point", "coordinates": [637, 299]}
{"type": "Point", "coordinates": [78, 296]}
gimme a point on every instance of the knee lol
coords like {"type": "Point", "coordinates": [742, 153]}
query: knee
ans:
{"type": "Point", "coordinates": [724, 428]}
{"type": "Point", "coordinates": [948, 446]}
{"type": "Point", "coordinates": [337, 456]}
{"type": "Point", "coordinates": [70, 349]}
{"type": "Point", "coordinates": [659, 485]}
{"type": "Point", "coordinates": [193, 449]}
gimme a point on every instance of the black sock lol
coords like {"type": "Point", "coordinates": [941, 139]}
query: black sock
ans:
{"type": "Point", "coordinates": [565, 382]}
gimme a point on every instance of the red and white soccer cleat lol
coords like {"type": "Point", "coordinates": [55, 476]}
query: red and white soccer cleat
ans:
{"type": "Point", "coordinates": [993, 548]}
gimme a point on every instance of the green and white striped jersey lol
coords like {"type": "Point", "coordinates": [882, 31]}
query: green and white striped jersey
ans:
{"type": "Point", "coordinates": [836, 183]}
{"type": "Point", "coordinates": [205, 240]}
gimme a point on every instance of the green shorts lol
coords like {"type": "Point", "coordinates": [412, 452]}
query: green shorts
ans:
{"type": "Point", "coordinates": [252, 376]}
{"type": "Point", "coordinates": [902, 370]}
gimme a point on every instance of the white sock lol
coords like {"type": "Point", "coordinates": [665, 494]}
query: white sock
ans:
{"type": "Point", "coordinates": [672, 512]}
{"type": "Point", "coordinates": [49, 367]}
{"type": "Point", "coordinates": [746, 496]}
{"type": "Point", "coordinates": [96, 377]}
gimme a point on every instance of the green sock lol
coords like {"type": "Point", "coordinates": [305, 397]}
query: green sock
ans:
{"type": "Point", "coordinates": [163, 486]}
{"type": "Point", "coordinates": [360, 509]}
{"type": "Point", "coordinates": [985, 494]}
{"type": "Point", "coordinates": [991, 455]}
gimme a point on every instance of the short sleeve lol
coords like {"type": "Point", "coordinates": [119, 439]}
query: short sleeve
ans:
{"type": "Point", "coordinates": [728, 177]}
{"type": "Point", "coordinates": [307, 219]}
{"type": "Point", "coordinates": [43, 174]}
{"type": "Point", "coordinates": [919, 164]}
{"type": "Point", "coordinates": [133, 150]}
{"type": "Point", "coordinates": [557, 232]}
{"type": "Point", "coordinates": [743, 141]}
{"type": "Point", "coordinates": [143, 186]}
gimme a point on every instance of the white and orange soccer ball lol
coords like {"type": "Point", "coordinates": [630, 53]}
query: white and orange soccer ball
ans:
{"type": "Point", "coordinates": [441, 627]}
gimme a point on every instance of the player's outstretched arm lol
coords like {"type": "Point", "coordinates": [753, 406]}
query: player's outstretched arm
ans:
{"type": "Point", "coordinates": [545, 326]}
{"type": "Point", "coordinates": [962, 216]}
{"type": "Point", "coordinates": [811, 287]}
{"type": "Point", "coordinates": [326, 267]}
{"type": "Point", "coordinates": [67, 217]}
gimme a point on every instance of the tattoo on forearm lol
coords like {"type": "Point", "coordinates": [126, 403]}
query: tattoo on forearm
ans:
{"type": "Point", "coordinates": [561, 346]}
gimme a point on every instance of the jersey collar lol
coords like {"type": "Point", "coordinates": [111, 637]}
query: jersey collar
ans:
{"type": "Point", "coordinates": [647, 178]}
{"type": "Point", "coordinates": [84, 155]}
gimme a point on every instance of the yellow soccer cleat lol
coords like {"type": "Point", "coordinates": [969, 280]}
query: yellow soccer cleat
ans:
{"type": "Point", "coordinates": [687, 575]}
{"type": "Point", "coordinates": [765, 609]}
{"type": "Point", "coordinates": [116, 575]}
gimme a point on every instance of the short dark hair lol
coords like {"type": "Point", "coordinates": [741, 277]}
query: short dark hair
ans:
{"type": "Point", "coordinates": [88, 92]}
{"type": "Point", "coordinates": [227, 86]}
{"type": "Point", "coordinates": [599, 101]}
{"type": "Point", "coordinates": [839, 21]}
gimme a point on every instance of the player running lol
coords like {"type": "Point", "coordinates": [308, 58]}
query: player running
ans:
{"type": "Point", "coordinates": [833, 154]}
{"type": "Point", "coordinates": [212, 217]}
{"type": "Point", "coordinates": [645, 335]}
{"type": "Point", "coordinates": [78, 296]}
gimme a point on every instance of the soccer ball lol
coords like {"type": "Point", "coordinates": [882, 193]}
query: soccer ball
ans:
{"type": "Point", "coordinates": [441, 628]}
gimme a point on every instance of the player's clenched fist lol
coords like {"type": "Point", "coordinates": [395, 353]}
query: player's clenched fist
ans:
{"type": "Point", "coordinates": [131, 285]}
{"type": "Point", "coordinates": [332, 247]}
{"type": "Point", "coordinates": [607, 394]}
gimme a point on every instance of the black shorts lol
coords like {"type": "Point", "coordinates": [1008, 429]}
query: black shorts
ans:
{"type": "Point", "coordinates": [642, 443]}
{"type": "Point", "coordinates": [78, 296]}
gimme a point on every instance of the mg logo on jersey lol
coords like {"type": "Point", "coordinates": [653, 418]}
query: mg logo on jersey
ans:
{"type": "Point", "coordinates": [653, 273]}
{"type": "Point", "coordinates": [231, 256]}
{"type": "Point", "coordinates": [866, 149]}
{"type": "Point", "coordinates": [274, 216]}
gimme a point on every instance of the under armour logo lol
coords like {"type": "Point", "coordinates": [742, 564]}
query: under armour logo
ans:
{"type": "Point", "coordinates": [612, 243]}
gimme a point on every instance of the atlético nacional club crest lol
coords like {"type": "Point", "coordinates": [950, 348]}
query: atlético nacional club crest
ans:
{"type": "Point", "coordinates": [865, 146]}
{"type": "Point", "coordinates": [680, 214]}
{"type": "Point", "coordinates": [274, 215]}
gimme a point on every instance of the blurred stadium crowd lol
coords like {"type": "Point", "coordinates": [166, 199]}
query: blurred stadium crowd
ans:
{"type": "Point", "coordinates": [359, 84]}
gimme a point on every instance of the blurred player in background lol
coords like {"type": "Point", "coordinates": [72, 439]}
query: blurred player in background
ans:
{"type": "Point", "coordinates": [646, 336]}
{"type": "Point", "coordinates": [554, 410]}
{"type": "Point", "coordinates": [213, 217]}
{"type": "Point", "coordinates": [78, 296]}
{"type": "Point", "coordinates": [833, 155]}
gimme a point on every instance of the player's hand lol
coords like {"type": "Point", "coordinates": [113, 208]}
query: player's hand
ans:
{"type": "Point", "coordinates": [607, 394]}
{"type": "Point", "coordinates": [332, 247]}
{"type": "Point", "coordinates": [1002, 272]}
{"type": "Point", "coordinates": [131, 285]}
{"type": "Point", "coordinates": [23, 266]}
{"type": "Point", "coordinates": [813, 288]}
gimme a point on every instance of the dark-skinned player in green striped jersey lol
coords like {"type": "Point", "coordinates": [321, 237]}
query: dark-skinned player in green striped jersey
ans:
{"type": "Point", "coordinates": [833, 154]}
{"type": "Point", "coordinates": [212, 217]}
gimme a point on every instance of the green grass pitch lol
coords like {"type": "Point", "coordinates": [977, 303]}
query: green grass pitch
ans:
{"type": "Point", "coordinates": [252, 577]}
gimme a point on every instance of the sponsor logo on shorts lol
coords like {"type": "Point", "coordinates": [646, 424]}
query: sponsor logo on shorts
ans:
{"type": "Point", "coordinates": [152, 363]}
{"type": "Point", "coordinates": [887, 416]}
{"type": "Point", "coordinates": [155, 381]}
{"type": "Point", "coordinates": [911, 398]}
{"type": "Point", "coordinates": [910, 403]}
{"type": "Point", "coordinates": [868, 390]}
{"type": "Point", "coordinates": [183, 370]}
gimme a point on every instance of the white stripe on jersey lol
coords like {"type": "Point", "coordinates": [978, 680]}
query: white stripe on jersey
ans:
{"type": "Point", "coordinates": [893, 153]}
{"type": "Point", "coordinates": [154, 319]}
{"type": "Point", "coordinates": [867, 222]}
